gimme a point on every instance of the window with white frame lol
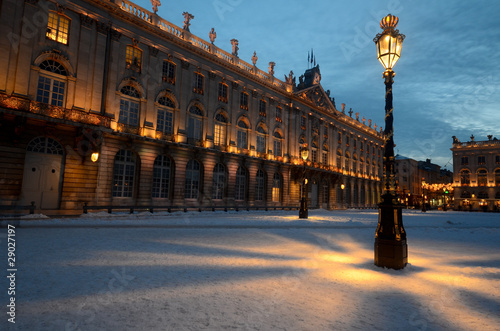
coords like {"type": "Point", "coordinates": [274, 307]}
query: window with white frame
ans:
{"type": "Point", "coordinates": [244, 100]}
{"type": "Point", "coordinates": [219, 181]}
{"type": "Point", "coordinates": [58, 28]}
{"type": "Point", "coordinates": [129, 106]}
{"type": "Point", "coordinates": [262, 108]}
{"type": "Point", "coordinates": [195, 123]}
{"type": "Point", "coordinates": [193, 180]}
{"type": "Point", "coordinates": [133, 58]}
{"type": "Point", "coordinates": [169, 72]}
{"type": "Point", "coordinates": [220, 130]}
{"type": "Point", "coordinates": [242, 133]}
{"type": "Point", "coordinates": [124, 174]}
{"type": "Point", "coordinates": [164, 118]}
{"type": "Point", "coordinates": [260, 185]}
{"type": "Point", "coordinates": [51, 83]}
{"type": "Point", "coordinates": [161, 177]}
{"type": "Point", "coordinates": [279, 114]}
{"type": "Point", "coordinates": [240, 184]}
{"type": "Point", "coordinates": [198, 83]}
{"type": "Point", "coordinates": [223, 92]}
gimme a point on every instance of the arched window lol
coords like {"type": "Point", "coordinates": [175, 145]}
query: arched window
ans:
{"type": "Point", "coordinates": [129, 106]}
{"type": "Point", "coordinates": [276, 188]}
{"type": "Point", "coordinates": [242, 140]}
{"type": "Point", "coordinates": [193, 179]}
{"type": "Point", "coordinates": [277, 144]}
{"type": "Point", "coordinates": [161, 177]}
{"type": "Point", "coordinates": [497, 177]}
{"type": "Point", "coordinates": [260, 186]}
{"type": "Point", "coordinates": [241, 184]}
{"type": "Point", "coordinates": [124, 174]}
{"type": "Point", "coordinates": [51, 83]}
{"type": "Point", "coordinates": [165, 115]}
{"type": "Point", "coordinates": [261, 139]}
{"type": "Point", "coordinates": [482, 177]}
{"type": "Point", "coordinates": [220, 130]}
{"type": "Point", "coordinates": [465, 177]}
{"type": "Point", "coordinates": [45, 145]}
{"type": "Point", "coordinates": [219, 181]}
{"type": "Point", "coordinates": [195, 123]}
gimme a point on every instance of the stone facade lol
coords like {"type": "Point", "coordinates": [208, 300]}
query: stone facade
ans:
{"type": "Point", "coordinates": [476, 174]}
{"type": "Point", "coordinates": [174, 119]}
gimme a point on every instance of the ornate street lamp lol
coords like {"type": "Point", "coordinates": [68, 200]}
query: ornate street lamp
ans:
{"type": "Point", "coordinates": [303, 212]}
{"type": "Point", "coordinates": [391, 250]}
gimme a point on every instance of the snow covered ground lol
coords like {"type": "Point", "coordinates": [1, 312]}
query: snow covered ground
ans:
{"type": "Point", "coordinates": [252, 271]}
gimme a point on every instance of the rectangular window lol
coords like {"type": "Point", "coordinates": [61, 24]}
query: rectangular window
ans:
{"type": "Point", "coordinates": [314, 155]}
{"type": "Point", "coordinates": [303, 123]}
{"type": "Point", "coordinates": [279, 114]}
{"type": "Point", "coordinates": [465, 160]}
{"type": "Point", "coordinates": [242, 139]}
{"type": "Point", "coordinates": [481, 160]}
{"type": "Point", "coordinates": [164, 121]}
{"type": "Point", "coordinates": [50, 91]}
{"type": "Point", "coordinates": [276, 194]}
{"type": "Point", "coordinates": [58, 28]}
{"type": "Point", "coordinates": [244, 101]}
{"type": "Point", "coordinates": [194, 128]}
{"type": "Point", "coordinates": [198, 83]}
{"type": "Point", "coordinates": [222, 92]}
{"type": "Point", "coordinates": [340, 138]}
{"type": "Point", "coordinates": [262, 108]}
{"type": "Point", "coordinates": [169, 69]}
{"type": "Point", "coordinates": [497, 159]}
{"type": "Point", "coordinates": [261, 144]}
{"type": "Point", "coordinates": [133, 58]}
{"type": "Point", "coordinates": [129, 112]}
{"type": "Point", "coordinates": [220, 134]}
{"type": "Point", "coordinates": [325, 158]}
{"type": "Point", "coordinates": [277, 147]}
{"type": "Point", "coordinates": [325, 132]}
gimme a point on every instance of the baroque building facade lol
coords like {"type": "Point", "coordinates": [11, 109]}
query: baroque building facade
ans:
{"type": "Point", "coordinates": [106, 103]}
{"type": "Point", "coordinates": [476, 174]}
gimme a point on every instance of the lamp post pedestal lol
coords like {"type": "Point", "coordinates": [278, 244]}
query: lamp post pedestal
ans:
{"type": "Point", "coordinates": [303, 212]}
{"type": "Point", "coordinates": [391, 249]}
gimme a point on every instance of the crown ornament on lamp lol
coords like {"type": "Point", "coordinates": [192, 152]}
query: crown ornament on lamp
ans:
{"type": "Point", "coordinates": [389, 42]}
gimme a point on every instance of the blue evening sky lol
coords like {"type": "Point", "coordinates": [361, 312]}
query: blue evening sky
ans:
{"type": "Point", "coordinates": [447, 81]}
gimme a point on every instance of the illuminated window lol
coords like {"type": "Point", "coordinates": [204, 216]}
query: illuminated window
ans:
{"type": "Point", "coordinates": [240, 185]}
{"type": "Point", "coordinates": [161, 177]}
{"type": "Point", "coordinates": [481, 160]}
{"type": "Point", "coordinates": [324, 156]}
{"type": "Point", "coordinates": [222, 92]}
{"type": "Point", "coordinates": [262, 108]}
{"type": "Point", "coordinates": [195, 123]}
{"type": "Point", "coordinates": [164, 120]}
{"type": "Point", "coordinates": [219, 181]}
{"type": "Point", "coordinates": [242, 133]}
{"type": "Point", "coordinates": [220, 130]}
{"type": "Point", "coordinates": [169, 69]}
{"type": "Point", "coordinates": [276, 188]}
{"type": "Point", "coordinates": [244, 100]}
{"type": "Point", "coordinates": [198, 83]}
{"type": "Point", "coordinates": [261, 139]}
{"type": "Point", "coordinates": [133, 58]}
{"type": "Point", "coordinates": [260, 186]}
{"type": "Point", "coordinates": [279, 114]}
{"type": "Point", "coordinates": [482, 178]}
{"type": "Point", "coordinates": [124, 174]}
{"type": "Point", "coordinates": [129, 106]}
{"type": "Point", "coordinates": [51, 83]}
{"type": "Point", "coordinates": [465, 177]}
{"type": "Point", "coordinates": [58, 28]}
{"type": "Point", "coordinates": [193, 180]}
{"type": "Point", "coordinates": [303, 122]}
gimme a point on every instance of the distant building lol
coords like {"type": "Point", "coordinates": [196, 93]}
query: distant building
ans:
{"type": "Point", "coordinates": [106, 103]}
{"type": "Point", "coordinates": [411, 174]}
{"type": "Point", "coordinates": [476, 174]}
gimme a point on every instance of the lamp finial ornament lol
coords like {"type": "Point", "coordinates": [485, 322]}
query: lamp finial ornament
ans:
{"type": "Point", "coordinates": [389, 22]}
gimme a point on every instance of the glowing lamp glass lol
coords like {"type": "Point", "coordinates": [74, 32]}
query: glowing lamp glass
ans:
{"type": "Point", "coordinates": [304, 153]}
{"type": "Point", "coordinates": [94, 157]}
{"type": "Point", "coordinates": [389, 49]}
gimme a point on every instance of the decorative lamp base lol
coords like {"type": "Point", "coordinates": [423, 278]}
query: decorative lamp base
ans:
{"type": "Point", "coordinates": [391, 253]}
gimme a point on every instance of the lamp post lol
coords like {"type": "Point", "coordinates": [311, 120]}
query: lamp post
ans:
{"type": "Point", "coordinates": [303, 212]}
{"type": "Point", "coordinates": [391, 250]}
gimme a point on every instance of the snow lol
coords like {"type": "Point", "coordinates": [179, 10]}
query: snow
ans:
{"type": "Point", "coordinates": [253, 271]}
